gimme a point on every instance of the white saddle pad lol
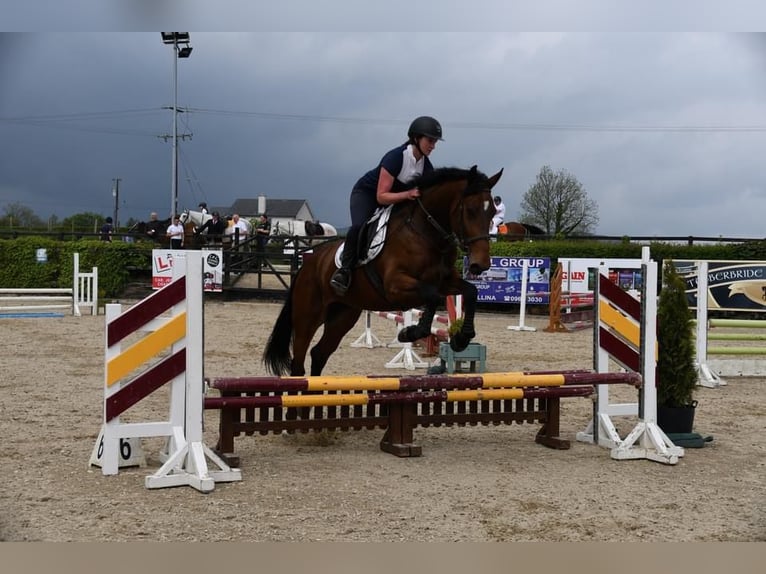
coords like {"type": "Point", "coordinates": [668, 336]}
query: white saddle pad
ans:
{"type": "Point", "coordinates": [376, 245]}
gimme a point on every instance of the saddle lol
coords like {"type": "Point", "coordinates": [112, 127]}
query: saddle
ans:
{"type": "Point", "coordinates": [372, 237]}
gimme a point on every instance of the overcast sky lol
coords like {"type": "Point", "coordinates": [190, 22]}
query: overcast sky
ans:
{"type": "Point", "coordinates": [666, 130]}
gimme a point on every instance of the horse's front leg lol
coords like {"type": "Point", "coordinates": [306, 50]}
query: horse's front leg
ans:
{"type": "Point", "coordinates": [422, 328]}
{"type": "Point", "coordinates": [459, 341]}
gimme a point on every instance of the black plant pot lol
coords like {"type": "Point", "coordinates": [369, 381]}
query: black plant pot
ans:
{"type": "Point", "coordinates": [673, 420]}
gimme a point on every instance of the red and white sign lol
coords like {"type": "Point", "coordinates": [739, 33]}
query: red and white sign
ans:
{"type": "Point", "coordinates": [162, 268]}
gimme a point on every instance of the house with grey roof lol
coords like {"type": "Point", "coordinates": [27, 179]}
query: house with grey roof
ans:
{"type": "Point", "coordinates": [283, 213]}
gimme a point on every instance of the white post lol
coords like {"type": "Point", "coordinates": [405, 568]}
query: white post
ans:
{"type": "Point", "coordinates": [187, 465]}
{"type": "Point", "coordinates": [705, 375]}
{"type": "Point", "coordinates": [523, 310]}
{"type": "Point", "coordinates": [76, 287]}
{"type": "Point", "coordinates": [368, 338]}
{"type": "Point", "coordinates": [407, 358]}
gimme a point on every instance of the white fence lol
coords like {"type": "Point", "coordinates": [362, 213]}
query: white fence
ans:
{"type": "Point", "coordinates": [82, 294]}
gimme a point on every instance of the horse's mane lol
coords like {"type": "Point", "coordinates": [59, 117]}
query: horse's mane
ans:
{"type": "Point", "coordinates": [445, 174]}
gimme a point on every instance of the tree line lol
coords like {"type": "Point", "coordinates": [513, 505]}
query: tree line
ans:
{"type": "Point", "coordinates": [557, 203]}
{"type": "Point", "coordinates": [16, 215]}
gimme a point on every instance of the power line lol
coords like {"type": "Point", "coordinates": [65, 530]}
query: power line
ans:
{"type": "Point", "coordinates": [52, 120]}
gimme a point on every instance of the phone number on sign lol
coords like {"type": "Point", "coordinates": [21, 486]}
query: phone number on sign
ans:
{"type": "Point", "coordinates": [513, 299]}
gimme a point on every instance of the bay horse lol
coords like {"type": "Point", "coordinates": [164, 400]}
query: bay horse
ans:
{"type": "Point", "coordinates": [415, 268]}
{"type": "Point", "coordinates": [515, 231]}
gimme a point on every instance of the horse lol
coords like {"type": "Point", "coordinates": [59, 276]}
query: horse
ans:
{"type": "Point", "coordinates": [303, 228]}
{"type": "Point", "coordinates": [191, 220]}
{"type": "Point", "coordinates": [160, 226]}
{"type": "Point", "coordinates": [515, 231]}
{"type": "Point", "coordinates": [415, 268]}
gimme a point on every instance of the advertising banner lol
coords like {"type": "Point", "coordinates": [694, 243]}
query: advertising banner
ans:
{"type": "Point", "coordinates": [579, 273]}
{"type": "Point", "coordinates": [732, 285]}
{"type": "Point", "coordinates": [162, 268]}
{"type": "Point", "coordinates": [501, 283]}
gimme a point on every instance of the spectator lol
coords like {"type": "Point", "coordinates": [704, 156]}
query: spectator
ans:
{"type": "Point", "coordinates": [153, 226]}
{"type": "Point", "coordinates": [176, 233]}
{"type": "Point", "coordinates": [215, 226]}
{"type": "Point", "coordinates": [106, 230]}
{"type": "Point", "coordinates": [262, 231]}
{"type": "Point", "coordinates": [239, 224]}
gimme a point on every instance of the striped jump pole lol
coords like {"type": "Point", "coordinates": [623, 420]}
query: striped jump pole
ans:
{"type": "Point", "coordinates": [370, 398]}
{"type": "Point", "coordinates": [369, 340]}
{"type": "Point", "coordinates": [170, 322]}
{"type": "Point", "coordinates": [457, 381]}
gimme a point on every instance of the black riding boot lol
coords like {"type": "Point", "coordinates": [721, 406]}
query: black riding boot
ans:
{"type": "Point", "coordinates": [341, 279]}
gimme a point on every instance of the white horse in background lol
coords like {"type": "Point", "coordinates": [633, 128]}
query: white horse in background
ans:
{"type": "Point", "coordinates": [196, 217]}
{"type": "Point", "coordinates": [199, 219]}
{"type": "Point", "coordinates": [303, 228]}
{"type": "Point", "coordinates": [291, 227]}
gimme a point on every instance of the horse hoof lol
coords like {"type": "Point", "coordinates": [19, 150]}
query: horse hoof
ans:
{"type": "Point", "coordinates": [459, 342]}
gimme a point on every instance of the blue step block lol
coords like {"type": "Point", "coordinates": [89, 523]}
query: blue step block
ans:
{"type": "Point", "coordinates": [468, 358]}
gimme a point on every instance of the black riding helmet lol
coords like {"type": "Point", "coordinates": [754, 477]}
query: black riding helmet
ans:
{"type": "Point", "coordinates": [425, 126]}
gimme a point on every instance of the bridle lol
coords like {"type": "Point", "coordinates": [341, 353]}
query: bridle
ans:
{"type": "Point", "coordinates": [458, 240]}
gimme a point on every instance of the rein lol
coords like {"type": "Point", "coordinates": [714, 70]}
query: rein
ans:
{"type": "Point", "coordinates": [457, 240]}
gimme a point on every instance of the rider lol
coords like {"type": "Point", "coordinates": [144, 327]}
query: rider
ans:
{"type": "Point", "coordinates": [499, 216]}
{"type": "Point", "coordinates": [386, 184]}
{"type": "Point", "coordinates": [215, 227]}
{"type": "Point", "coordinates": [203, 207]}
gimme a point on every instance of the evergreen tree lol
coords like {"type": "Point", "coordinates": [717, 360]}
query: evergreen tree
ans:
{"type": "Point", "coordinates": [676, 368]}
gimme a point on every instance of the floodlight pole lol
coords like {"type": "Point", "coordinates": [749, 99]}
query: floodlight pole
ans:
{"type": "Point", "coordinates": [176, 38]}
{"type": "Point", "coordinates": [174, 173]}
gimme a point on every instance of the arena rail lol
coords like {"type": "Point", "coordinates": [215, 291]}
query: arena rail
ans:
{"type": "Point", "coordinates": [30, 301]}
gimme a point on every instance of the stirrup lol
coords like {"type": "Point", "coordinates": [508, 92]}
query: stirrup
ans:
{"type": "Point", "coordinates": [341, 281]}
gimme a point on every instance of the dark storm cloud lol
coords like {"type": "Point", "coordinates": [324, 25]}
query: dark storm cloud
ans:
{"type": "Point", "coordinates": [664, 130]}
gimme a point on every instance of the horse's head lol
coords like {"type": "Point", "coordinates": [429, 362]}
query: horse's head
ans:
{"type": "Point", "coordinates": [462, 204]}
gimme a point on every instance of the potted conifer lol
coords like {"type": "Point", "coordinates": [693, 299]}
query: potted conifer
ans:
{"type": "Point", "coordinates": [676, 369]}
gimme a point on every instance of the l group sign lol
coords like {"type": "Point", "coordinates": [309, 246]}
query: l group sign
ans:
{"type": "Point", "coordinates": [502, 282]}
{"type": "Point", "coordinates": [164, 259]}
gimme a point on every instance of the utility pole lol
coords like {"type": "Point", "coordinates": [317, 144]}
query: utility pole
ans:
{"type": "Point", "coordinates": [116, 194]}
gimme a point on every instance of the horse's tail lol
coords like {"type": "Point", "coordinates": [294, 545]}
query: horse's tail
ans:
{"type": "Point", "coordinates": [277, 355]}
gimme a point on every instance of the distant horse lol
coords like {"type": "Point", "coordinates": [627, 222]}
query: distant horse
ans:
{"type": "Point", "coordinates": [160, 226]}
{"type": "Point", "coordinates": [304, 228]}
{"type": "Point", "coordinates": [515, 231]}
{"type": "Point", "coordinates": [415, 268]}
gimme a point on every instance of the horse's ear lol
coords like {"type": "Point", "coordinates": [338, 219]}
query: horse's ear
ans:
{"type": "Point", "coordinates": [473, 170]}
{"type": "Point", "coordinates": [495, 178]}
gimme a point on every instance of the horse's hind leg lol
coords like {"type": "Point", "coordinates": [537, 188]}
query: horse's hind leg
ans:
{"type": "Point", "coordinates": [339, 321]}
{"type": "Point", "coordinates": [306, 322]}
